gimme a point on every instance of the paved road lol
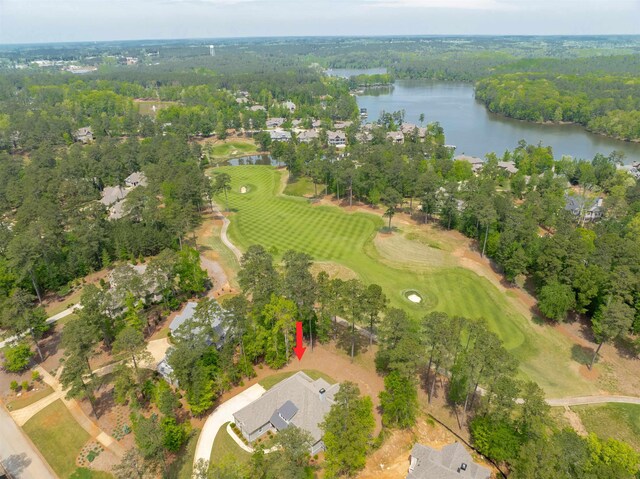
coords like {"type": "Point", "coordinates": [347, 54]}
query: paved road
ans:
{"type": "Point", "coordinates": [17, 453]}
{"type": "Point", "coordinates": [221, 415]}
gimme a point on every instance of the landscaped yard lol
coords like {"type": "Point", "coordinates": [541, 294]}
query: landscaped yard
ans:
{"type": "Point", "coordinates": [58, 437]}
{"type": "Point", "coordinates": [328, 233]}
{"type": "Point", "coordinates": [619, 421]}
{"type": "Point", "coordinates": [224, 447]}
{"type": "Point", "coordinates": [29, 398]}
{"type": "Point", "coordinates": [274, 379]}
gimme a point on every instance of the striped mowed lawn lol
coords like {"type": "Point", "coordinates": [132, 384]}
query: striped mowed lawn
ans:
{"type": "Point", "coordinates": [262, 215]}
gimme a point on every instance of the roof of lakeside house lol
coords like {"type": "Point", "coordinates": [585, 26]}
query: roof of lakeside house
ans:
{"type": "Point", "coordinates": [136, 178]}
{"type": "Point", "coordinates": [451, 462]}
{"type": "Point", "coordinates": [336, 135]}
{"type": "Point", "coordinates": [308, 135]}
{"type": "Point", "coordinates": [508, 166]}
{"type": "Point", "coordinates": [188, 313]}
{"type": "Point", "coordinates": [576, 203]}
{"type": "Point", "coordinates": [298, 391]}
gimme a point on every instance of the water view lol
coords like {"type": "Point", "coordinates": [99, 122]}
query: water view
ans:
{"type": "Point", "coordinates": [476, 131]}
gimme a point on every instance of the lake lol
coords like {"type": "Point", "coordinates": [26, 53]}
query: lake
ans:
{"type": "Point", "coordinates": [472, 128]}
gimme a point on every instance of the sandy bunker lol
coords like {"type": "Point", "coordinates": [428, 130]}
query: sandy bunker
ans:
{"type": "Point", "coordinates": [243, 189]}
{"type": "Point", "coordinates": [413, 296]}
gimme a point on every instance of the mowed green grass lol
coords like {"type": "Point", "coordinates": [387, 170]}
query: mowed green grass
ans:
{"type": "Point", "coordinates": [328, 233]}
{"type": "Point", "coordinates": [232, 149]}
{"type": "Point", "coordinates": [225, 449]}
{"type": "Point", "coordinates": [619, 421]}
{"type": "Point", "coordinates": [58, 437]}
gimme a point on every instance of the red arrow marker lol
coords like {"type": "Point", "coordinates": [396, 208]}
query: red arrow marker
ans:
{"type": "Point", "coordinates": [299, 349]}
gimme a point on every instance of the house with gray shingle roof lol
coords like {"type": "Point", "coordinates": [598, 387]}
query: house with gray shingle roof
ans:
{"type": "Point", "coordinates": [451, 462]}
{"type": "Point", "coordinates": [587, 209]}
{"type": "Point", "coordinates": [188, 313]}
{"type": "Point", "coordinates": [296, 401]}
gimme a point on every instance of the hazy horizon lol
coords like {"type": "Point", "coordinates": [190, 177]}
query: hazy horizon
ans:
{"type": "Point", "coordinates": [43, 21]}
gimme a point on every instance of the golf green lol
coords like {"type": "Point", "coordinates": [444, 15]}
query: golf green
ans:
{"type": "Point", "coordinates": [328, 233]}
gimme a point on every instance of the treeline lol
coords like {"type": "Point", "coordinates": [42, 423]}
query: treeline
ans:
{"type": "Point", "coordinates": [607, 104]}
{"type": "Point", "coordinates": [377, 79]}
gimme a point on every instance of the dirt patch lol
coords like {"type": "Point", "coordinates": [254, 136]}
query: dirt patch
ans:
{"type": "Point", "coordinates": [574, 421]}
{"type": "Point", "coordinates": [334, 270]}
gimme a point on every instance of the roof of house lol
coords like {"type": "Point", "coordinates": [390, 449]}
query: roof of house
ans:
{"type": "Point", "coordinates": [408, 128]}
{"type": "Point", "coordinates": [471, 159]}
{"type": "Point", "coordinates": [451, 462]}
{"type": "Point", "coordinates": [308, 135]}
{"type": "Point", "coordinates": [297, 398]}
{"type": "Point", "coordinates": [84, 131]}
{"type": "Point", "coordinates": [341, 125]}
{"type": "Point", "coordinates": [336, 135]}
{"type": "Point", "coordinates": [188, 312]}
{"type": "Point", "coordinates": [275, 121]}
{"type": "Point", "coordinates": [136, 178]}
{"type": "Point", "coordinates": [257, 108]}
{"type": "Point", "coordinates": [577, 203]}
{"type": "Point", "coordinates": [112, 194]}
{"type": "Point", "coordinates": [395, 135]}
{"type": "Point", "coordinates": [508, 166]}
{"type": "Point", "coordinates": [280, 135]}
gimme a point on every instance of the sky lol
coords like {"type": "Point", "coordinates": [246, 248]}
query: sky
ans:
{"type": "Point", "coordinates": [34, 21]}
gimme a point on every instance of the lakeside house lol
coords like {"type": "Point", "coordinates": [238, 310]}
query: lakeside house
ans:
{"type": "Point", "coordinates": [585, 209]}
{"type": "Point", "coordinates": [451, 462]}
{"type": "Point", "coordinates": [476, 163]}
{"type": "Point", "coordinates": [508, 166]}
{"type": "Point", "coordinates": [396, 137]}
{"type": "Point", "coordinates": [257, 108]}
{"type": "Point", "coordinates": [296, 401]}
{"type": "Point", "coordinates": [342, 125]}
{"type": "Point", "coordinates": [337, 139]}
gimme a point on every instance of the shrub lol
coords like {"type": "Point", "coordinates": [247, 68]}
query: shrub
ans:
{"type": "Point", "coordinates": [25, 386]}
{"type": "Point", "coordinates": [35, 376]}
{"type": "Point", "coordinates": [17, 357]}
{"type": "Point", "coordinates": [14, 386]}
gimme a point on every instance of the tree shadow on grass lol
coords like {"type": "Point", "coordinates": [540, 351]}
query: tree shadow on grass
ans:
{"type": "Point", "coordinates": [343, 340]}
{"type": "Point", "coordinates": [582, 354]}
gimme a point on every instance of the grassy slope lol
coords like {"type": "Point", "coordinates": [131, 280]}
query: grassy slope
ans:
{"type": "Point", "coordinates": [302, 186]}
{"type": "Point", "coordinates": [58, 437]}
{"type": "Point", "coordinates": [330, 234]}
{"type": "Point", "coordinates": [182, 467]}
{"type": "Point", "coordinates": [619, 421]}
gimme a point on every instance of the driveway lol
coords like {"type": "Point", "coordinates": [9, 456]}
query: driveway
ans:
{"type": "Point", "coordinates": [52, 319]}
{"type": "Point", "coordinates": [17, 453]}
{"type": "Point", "coordinates": [221, 415]}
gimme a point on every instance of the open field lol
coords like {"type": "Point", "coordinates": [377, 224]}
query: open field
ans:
{"type": "Point", "coordinates": [225, 447]}
{"type": "Point", "coordinates": [619, 421]}
{"type": "Point", "coordinates": [331, 234]}
{"type": "Point", "coordinates": [274, 379]}
{"type": "Point", "coordinates": [145, 107]}
{"type": "Point", "coordinates": [58, 437]}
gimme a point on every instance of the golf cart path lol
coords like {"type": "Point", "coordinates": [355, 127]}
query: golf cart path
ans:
{"type": "Point", "coordinates": [587, 400]}
{"type": "Point", "coordinates": [221, 415]}
{"type": "Point", "coordinates": [51, 320]}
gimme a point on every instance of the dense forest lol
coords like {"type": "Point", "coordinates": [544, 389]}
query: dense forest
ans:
{"type": "Point", "coordinates": [604, 103]}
